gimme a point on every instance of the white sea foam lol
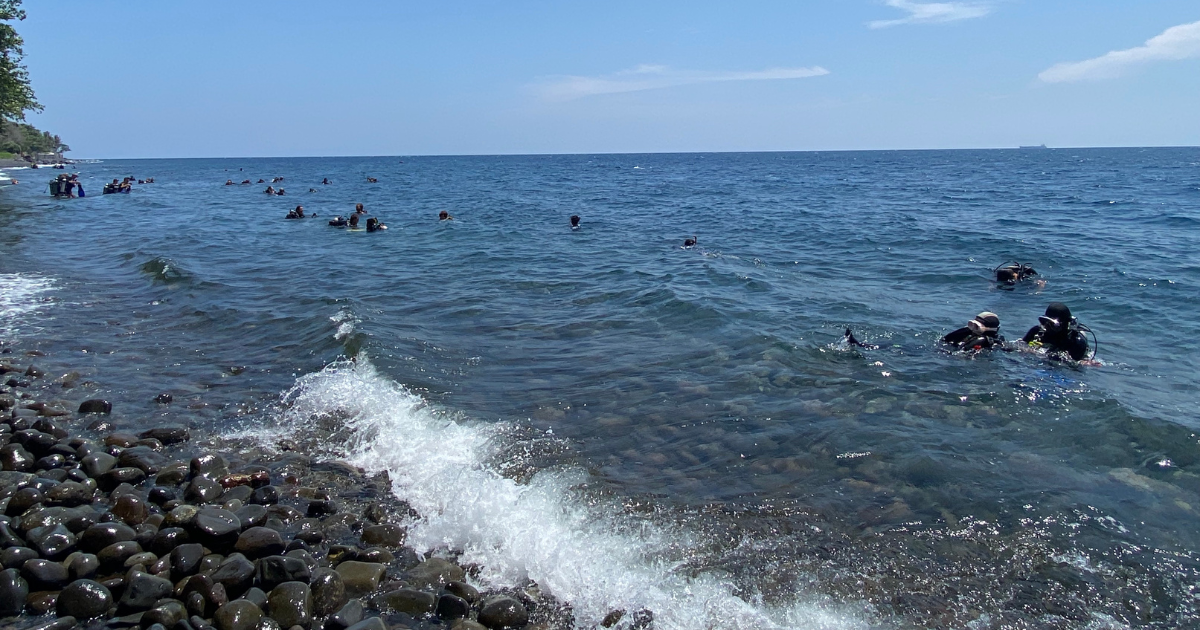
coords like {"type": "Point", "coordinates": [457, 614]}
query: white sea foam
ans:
{"type": "Point", "coordinates": [345, 321]}
{"type": "Point", "coordinates": [582, 551]}
{"type": "Point", "coordinates": [20, 296]}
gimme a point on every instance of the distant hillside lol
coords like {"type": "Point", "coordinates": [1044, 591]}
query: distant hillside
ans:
{"type": "Point", "coordinates": [24, 140]}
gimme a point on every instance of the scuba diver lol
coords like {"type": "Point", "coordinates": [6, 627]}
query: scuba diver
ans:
{"type": "Point", "coordinates": [851, 340]}
{"type": "Point", "coordinates": [353, 221]}
{"type": "Point", "coordinates": [338, 221]}
{"type": "Point", "coordinates": [1060, 334]}
{"type": "Point", "coordinates": [298, 213]}
{"type": "Point", "coordinates": [444, 216]}
{"type": "Point", "coordinates": [373, 225]}
{"type": "Point", "coordinates": [981, 333]}
{"type": "Point", "coordinates": [574, 221]}
{"type": "Point", "coordinates": [1014, 272]}
{"type": "Point", "coordinates": [689, 242]}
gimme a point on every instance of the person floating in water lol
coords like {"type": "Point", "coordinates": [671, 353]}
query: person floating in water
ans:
{"type": "Point", "coordinates": [244, 181]}
{"type": "Point", "coordinates": [325, 181]}
{"type": "Point", "coordinates": [372, 180]}
{"type": "Point", "coordinates": [280, 192]}
{"type": "Point", "coordinates": [444, 216]}
{"type": "Point", "coordinates": [574, 221]}
{"type": "Point", "coordinates": [354, 221]}
{"type": "Point", "coordinates": [1058, 333]}
{"type": "Point", "coordinates": [338, 221]}
{"type": "Point", "coordinates": [981, 333]}
{"type": "Point", "coordinates": [262, 181]}
{"type": "Point", "coordinates": [358, 209]}
{"type": "Point", "coordinates": [270, 190]}
{"type": "Point", "coordinates": [229, 182]}
{"type": "Point", "coordinates": [851, 340]}
{"type": "Point", "coordinates": [1014, 272]}
{"type": "Point", "coordinates": [298, 213]}
{"type": "Point", "coordinates": [689, 242]}
{"type": "Point", "coordinates": [373, 225]}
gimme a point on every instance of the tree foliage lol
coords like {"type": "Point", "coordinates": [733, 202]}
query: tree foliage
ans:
{"type": "Point", "coordinates": [24, 139]}
{"type": "Point", "coordinates": [16, 95]}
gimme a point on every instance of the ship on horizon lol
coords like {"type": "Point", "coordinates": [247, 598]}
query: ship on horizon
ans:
{"type": "Point", "coordinates": [1033, 146]}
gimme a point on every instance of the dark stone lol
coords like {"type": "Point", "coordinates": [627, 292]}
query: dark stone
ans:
{"type": "Point", "coordinates": [185, 559]}
{"type": "Point", "coordinates": [84, 599]}
{"type": "Point", "coordinates": [323, 508]}
{"type": "Point", "coordinates": [113, 557]}
{"type": "Point", "coordinates": [16, 557]}
{"type": "Point", "coordinates": [386, 535]}
{"type": "Point", "coordinates": [118, 476]}
{"type": "Point", "coordinates": [51, 462]}
{"type": "Point", "coordinates": [95, 405]}
{"type": "Point", "coordinates": [146, 533]}
{"type": "Point", "coordinates": [203, 490]}
{"type": "Point", "coordinates": [346, 616]}
{"type": "Point", "coordinates": [52, 541]}
{"type": "Point", "coordinates": [142, 590]}
{"type": "Point", "coordinates": [166, 613]}
{"type": "Point", "coordinates": [434, 573]}
{"type": "Point", "coordinates": [266, 495]}
{"type": "Point", "coordinates": [218, 529]}
{"type": "Point", "coordinates": [131, 509]}
{"type": "Point", "coordinates": [328, 591]}
{"type": "Point", "coordinates": [120, 440]}
{"type": "Point", "coordinates": [45, 575]}
{"type": "Point", "coordinates": [239, 614]}
{"type": "Point", "coordinates": [167, 434]}
{"type": "Point", "coordinates": [257, 596]}
{"type": "Point", "coordinates": [57, 474]}
{"type": "Point", "coordinates": [172, 474]}
{"type": "Point", "coordinates": [374, 623]}
{"type": "Point", "coordinates": [195, 603]}
{"type": "Point", "coordinates": [100, 425]}
{"type": "Point", "coordinates": [159, 495]}
{"type": "Point", "coordinates": [36, 442]}
{"type": "Point", "coordinates": [143, 458]}
{"type": "Point", "coordinates": [237, 493]}
{"type": "Point", "coordinates": [503, 611]}
{"type": "Point", "coordinates": [145, 558]}
{"type": "Point", "coordinates": [70, 494]}
{"type": "Point", "coordinates": [360, 578]}
{"type": "Point", "coordinates": [97, 464]}
{"type": "Point", "coordinates": [34, 372]}
{"type": "Point", "coordinates": [41, 602]}
{"type": "Point", "coordinates": [9, 538]}
{"type": "Point", "coordinates": [181, 516]}
{"type": "Point", "coordinates": [164, 398]}
{"type": "Point", "coordinates": [236, 574]}
{"type": "Point", "coordinates": [84, 566]}
{"type": "Point", "coordinates": [407, 600]}
{"type": "Point", "coordinates": [22, 500]}
{"type": "Point", "coordinates": [275, 570]}
{"type": "Point", "coordinates": [210, 464]}
{"type": "Point", "coordinates": [375, 554]}
{"type": "Point", "coordinates": [452, 607]}
{"type": "Point", "coordinates": [15, 457]}
{"type": "Point", "coordinates": [76, 519]}
{"type": "Point", "coordinates": [463, 590]}
{"type": "Point", "coordinates": [290, 604]}
{"type": "Point", "coordinates": [258, 542]}
{"type": "Point", "coordinates": [13, 591]}
{"type": "Point", "coordinates": [101, 535]}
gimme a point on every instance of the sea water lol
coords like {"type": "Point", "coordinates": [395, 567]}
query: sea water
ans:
{"type": "Point", "coordinates": [634, 424]}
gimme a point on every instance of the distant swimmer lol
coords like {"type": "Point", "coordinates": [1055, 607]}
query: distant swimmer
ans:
{"type": "Point", "coordinates": [338, 221]}
{"type": "Point", "coordinates": [1058, 333]}
{"type": "Point", "coordinates": [270, 190]}
{"type": "Point", "coordinates": [325, 181]}
{"type": "Point", "coordinates": [244, 181]}
{"type": "Point", "coordinates": [1014, 272]}
{"type": "Point", "coordinates": [358, 209]}
{"type": "Point", "coordinates": [981, 333]}
{"type": "Point", "coordinates": [228, 182]}
{"type": "Point", "coordinates": [373, 225]}
{"type": "Point", "coordinates": [280, 192]}
{"type": "Point", "coordinates": [574, 221]}
{"type": "Point", "coordinates": [444, 216]}
{"type": "Point", "coordinates": [689, 242]}
{"type": "Point", "coordinates": [353, 220]}
{"type": "Point", "coordinates": [262, 181]}
{"type": "Point", "coordinates": [298, 213]}
{"type": "Point", "coordinates": [312, 190]}
{"type": "Point", "coordinates": [372, 180]}
{"type": "Point", "coordinates": [276, 180]}
{"type": "Point", "coordinates": [851, 340]}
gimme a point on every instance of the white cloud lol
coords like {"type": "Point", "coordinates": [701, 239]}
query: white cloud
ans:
{"type": "Point", "coordinates": [650, 77]}
{"type": "Point", "coordinates": [932, 12]}
{"type": "Point", "coordinates": [1177, 42]}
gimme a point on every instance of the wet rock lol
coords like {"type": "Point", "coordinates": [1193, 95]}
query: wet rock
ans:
{"type": "Point", "coordinates": [346, 616]}
{"type": "Point", "coordinates": [118, 476]}
{"type": "Point", "coordinates": [407, 600]}
{"type": "Point", "coordinates": [258, 542]}
{"type": "Point", "coordinates": [209, 464]}
{"type": "Point", "coordinates": [142, 590]}
{"type": "Point", "coordinates": [182, 516]}
{"type": "Point", "coordinates": [375, 554]}
{"type": "Point", "coordinates": [13, 479]}
{"type": "Point", "coordinates": [95, 405]}
{"type": "Point", "coordinates": [328, 591]}
{"type": "Point", "coordinates": [185, 559]}
{"type": "Point", "coordinates": [239, 614]}
{"type": "Point", "coordinates": [434, 573]}
{"type": "Point", "coordinates": [52, 541]}
{"type": "Point", "coordinates": [452, 607]}
{"type": "Point", "coordinates": [374, 623]}
{"type": "Point", "coordinates": [266, 495]}
{"type": "Point", "coordinates": [218, 529]}
{"type": "Point", "coordinates": [22, 500]}
{"type": "Point", "coordinates": [360, 578]}
{"type": "Point", "coordinates": [237, 493]}
{"type": "Point", "coordinates": [203, 490]}
{"type": "Point", "coordinates": [463, 590]}
{"type": "Point", "coordinates": [236, 574]}
{"type": "Point", "coordinates": [169, 538]}
{"type": "Point", "coordinates": [120, 440]}
{"type": "Point", "coordinates": [323, 508]}
{"type": "Point", "coordinates": [50, 462]}
{"type": "Point", "coordinates": [113, 557]}
{"type": "Point", "coordinates": [386, 535]}
{"type": "Point", "coordinates": [15, 457]}
{"type": "Point", "coordinates": [290, 604]}
{"type": "Point", "coordinates": [41, 602]}
{"type": "Point", "coordinates": [168, 434]}
{"type": "Point", "coordinates": [143, 458]}
{"type": "Point", "coordinates": [503, 611]}
{"type": "Point", "coordinates": [13, 591]}
{"type": "Point", "coordinates": [100, 426]}
{"type": "Point", "coordinates": [83, 566]}
{"type": "Point", "coordinates": [70, 494]}
{"type": "Point", "coordinates": [97, 464]}
{"type": "Point", "coordinates": [159, 495]}
{"type": "Point", "coordinates": [45, 575]}
{"type": "Point", "coordinates": [467, 624]}
{"type": "Point", "coordinates": [34, 372]}
{"type": "Point", "coordinates": [257, 596]}
{"type": "Point", "coordinates": [84, 599]}
{"type": "Point", "coordinates": [172, 474]}
{"type": "Point", "coordinates": [275, 570]}
{"type": "Point", "coordinates": [16, 557]}
{"type": "Point", "coordinates": [131, 509]}
{"type": "Point", "coordinates": [165, 613]}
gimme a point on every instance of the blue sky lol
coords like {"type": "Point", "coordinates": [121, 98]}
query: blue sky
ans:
{"type": "Point", "coordinates": [276, 78]}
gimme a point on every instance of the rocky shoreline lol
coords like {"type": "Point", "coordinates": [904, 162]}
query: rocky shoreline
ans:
{"type": "Point", "coordinates": [104, 529]}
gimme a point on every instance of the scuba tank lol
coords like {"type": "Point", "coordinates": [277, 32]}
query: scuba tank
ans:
{"type": "Point", "coordinates": [55, 187]}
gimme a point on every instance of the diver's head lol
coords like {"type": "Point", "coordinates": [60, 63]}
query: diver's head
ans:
{"type": "Point", "coordinates": [1057, 318]}
{"type": "Point", "coordinates": [1008, 274]}
{"type": "Point", "coordinates": [575, 220]}
{"type": "Point", "coordinates": [986, 323]}
{"type": "Point", "coordinates": [443, 215]}
{"type": "Point", "coordinates": [358, 208]}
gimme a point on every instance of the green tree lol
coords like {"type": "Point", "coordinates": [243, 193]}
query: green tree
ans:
{"type": "Point", "coordinates": [16, 95]}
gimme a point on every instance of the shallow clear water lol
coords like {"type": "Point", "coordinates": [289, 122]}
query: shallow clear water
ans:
{"type": "Point", "coordinates": [684, 423]}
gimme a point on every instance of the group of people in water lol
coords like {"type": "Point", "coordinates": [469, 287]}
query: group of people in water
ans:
{"type": "Point", "coordinates": [68, 186]}
{"type": "Point", "coordinates": [372, 224]}
{"type": "Point", "coordinates": [1057, 334]}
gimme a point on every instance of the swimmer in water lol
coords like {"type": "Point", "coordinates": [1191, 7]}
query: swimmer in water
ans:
{"type": "Point", "coordinates": [358, 209]}
{"type": "Point", "coordinates": [280, 192]}
{"type": "Point", "coordinates": [373, 225]}
{"type": "Point", "coordinates": [574, 221]}
{"type": "Point", "coordinates": [354, 220]}
{"type": "Point", "coordinates": [372, 180]}
{"type": "Point", "coordinates": [325, 182]}
{"type": "Point", "coordinates": [262, 181]}
{"type": "Point", "coordinates": [337, 221]}
{"type": "Point", "coordinates": [689, 242]}
{"type": "Point", "coordinates": [151, 181]}
{"type": "Point", "coordinates": [1014, 272]}
{"type": "Point", "coordinates": [852, 341]}
{"type": "Point", "coordinates": [270, 190]}
{"type": "Point", "coordinates": [981, 333]}
{"type": "Point", "coordinates": [228, 182]}
{"type": "Point", "coordinates": [298, 213]}
{"type": "Point", "coordinates": [1059, 334]}
{"type": "Point", "coordinates": [444, 216]}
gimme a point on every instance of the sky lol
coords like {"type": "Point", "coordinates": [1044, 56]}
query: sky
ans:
{"type": "Point", "coordinates": [295, 78]}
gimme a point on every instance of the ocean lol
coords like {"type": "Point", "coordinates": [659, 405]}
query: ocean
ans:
{"type": "Point", "coordinates": [634, 424]}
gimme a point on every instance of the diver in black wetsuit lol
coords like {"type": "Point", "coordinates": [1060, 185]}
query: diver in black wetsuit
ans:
{"type": "Point", "coordinates": [1014, 272]}
{"type": "Point", "coordinates": [1058, 333]}
{"type": "Point", "coordinates": [981, 333]}
{"type": "Point", "coordinates": [337, 221]}
{"type": "Point", "coordinates": [574, 221]}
